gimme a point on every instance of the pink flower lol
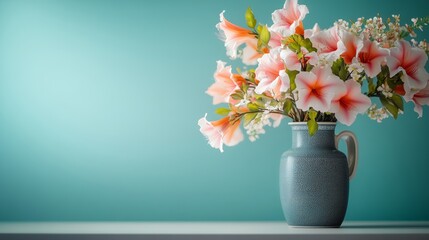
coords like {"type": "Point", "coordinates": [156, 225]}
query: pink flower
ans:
{"type": "Point", "coordinates": [290, 59]}
{"type": "Point", "coordinates": [275, 39]}
{"type": "Point", "coordinates": [271, 73]}
{"type": "Point", "coordinates": [352, 44]}
{"type": "Point", "coordinates": [371, 56]}
{"type": "Point", "coordinates": [411, 62]}
{"type": "Point", "coordinates": [311, 58]}
{"type": "Point", "coordinates": [288, 20]}
{"type": "Point", "coordinates": [221, 132]}
{"type": "Point", "coordinates": [292, 62]}
{"type": "Point", "coordinates": [251, 54]}
{"type": "Point", "coordinates": [328, 43]}
{"type": "Point", "coordinates": [234, 36]}
{"type": "Point", "coordinates": [317, 88]}
{"type": "Point", "coordinates": [366, 52]}
{"type": "Point", "coordinates": [309, 33]}
{"type": "Point", "coordinates": [348, 103]}
{"type": "Point", "coordinates": [224, 84]}
{"type": "Point", "coordinates": [419, 99]}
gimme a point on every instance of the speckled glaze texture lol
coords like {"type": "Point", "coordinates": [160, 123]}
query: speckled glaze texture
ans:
{"type": "Point", "coordinates": [314, 179]}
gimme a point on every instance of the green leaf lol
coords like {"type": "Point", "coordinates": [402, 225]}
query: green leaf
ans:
{"type": "Point", "coordinates": [312, 114]}
{"type": "Point", "coordinates": [308, 45]}
{"type": "Point", "coordinates": [253, 107]}
{"type": "Point", "coordinates": [244, 87]}
{"type": "Point", "coordinates": [371, 86]}
{"type": "Point", "coordinates": [223, 111]}
{"type": "Point", "coordinates": [262, 97]}
{"type": "Point", "coordinates": [397, 78]}
{"type": "Point", "coordinates": [344, 74]}
{"type": "Point", "coordinates": [259, 44]}
{"type": "Point", "coordinates": [403, 34]}
{"type": "Point", "coordinates": [298, 39]}
{"type": "Point", "coordinates": [390, 107]}
{"type": "Point", "coordinates": [312, 127]}
{"type": "Point", "coordinates": [237, 96]}
{"type": "Point", "coordinates": [292, 76]}
{"type": "Point", "coordinates": [260, 103]}
{"type": "Point", "coordinates": [250, 18]}
{"type": "Point", "coordinates": [259, 28]}
{"type": "Point", "coordinates": [292, 44]}
{"type": "Point", "coordinates": [339, 68]}
{"type": "Point", "coordinates": [336, 66]}
{"type": "Point", "coordinates": [248, 117]}
{"type": "Point", "coordinates": [264, 35]}
{"type": "Point", "coordinates": [251, 75]}
{"type": "Point", "coordinates": [294, 47]}
{"type": "Point", "coordinates": [383, 74]}
{"type": "Point", "coordinates": [288, 105]}
{"type": "Point", "coordinates": [397, 101]}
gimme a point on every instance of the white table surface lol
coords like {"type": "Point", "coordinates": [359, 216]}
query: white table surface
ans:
{"type": "Point", "coordinates": [210, 230]}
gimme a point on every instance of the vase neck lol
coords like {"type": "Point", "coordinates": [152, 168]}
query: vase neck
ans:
{"type": "Point", "coordinates": [324, 137]}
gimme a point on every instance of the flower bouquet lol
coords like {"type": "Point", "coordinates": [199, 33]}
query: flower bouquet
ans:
{"type": "Point", "coordinates": [370, 66]}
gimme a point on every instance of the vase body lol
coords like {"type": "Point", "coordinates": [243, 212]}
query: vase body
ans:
{"type": "Point", "coordinates": [314, 178]}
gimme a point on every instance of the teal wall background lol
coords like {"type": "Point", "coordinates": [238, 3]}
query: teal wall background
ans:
{"type": "Point", "coordinates": [99, 102]}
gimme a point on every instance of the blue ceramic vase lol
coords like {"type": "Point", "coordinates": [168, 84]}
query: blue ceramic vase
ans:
{"type": "Point", "coordinates": [314, 176]}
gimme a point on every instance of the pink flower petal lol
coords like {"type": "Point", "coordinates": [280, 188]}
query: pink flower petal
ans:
{"type": "Point", "coordinates": [290, 59]}
{"type": "Point", "coordinates": [309, 33]}
{"type": "Point", "coordinates": [350, 102]}
{"type": "Point", "coordinates": [250, 54]}
{"type": "Point", "coordinates": [328, 43]}
{"type": "Point", "coordinates": [312, 58]}
{"type": "Point", "coordinates": [233, 35]}
{"type": "Point", "coordinates": [317, 88]}
{"type": "Point", "coordinates": [212, 134]}
{"type": "Point", "coordinates": [411, 61]}
{"type": "Point", "coordinates": [224, 84]}
{"type": "Point", "coordinates": [289, 18]}
{"type": "Point", "coordinates": [232, 134]}
{"type": "Point", "coordinates": [419, 99]}
{"type": "Point", "coordinates": [221, 132]}
{"type": "Point", "coordinates": [276, 39]}
{"type": "Point", "coordinates": [268, 71]}
{"type": "Point", "coordinates": [371, 56]}
{"type": "Point", "coordinates": [352, 44]}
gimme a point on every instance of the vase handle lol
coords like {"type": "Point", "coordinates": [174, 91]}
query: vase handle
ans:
{"type": "Point", "coordinates": [352, 150]}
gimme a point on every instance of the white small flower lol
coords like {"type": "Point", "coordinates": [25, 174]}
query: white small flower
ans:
{"type": "Point", "coordinates": [355, 66]}
{"type": "Point", "coordinates": [243, 102]}
{"type": "Point", "coordinates": [385, 90]}
{"type": "Point", "coordinates": [378, 114]}
{"type": "Point", "coordinates": [341, 24]}
{"type": "Point", "coordinates": [355, 69]}
{"type": "Point", "coordinates": [256, 126]}
{"type": "Point", "coordinates": [356, 76]}
{"type": "Point", "coordinates": [357, 26]}
{"type": "Point", "coordinates": [424, 45]}
{"type": "Point", "coordinates": [324, 61]}
{"type": "Point", "coordinates": [273, 105]}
